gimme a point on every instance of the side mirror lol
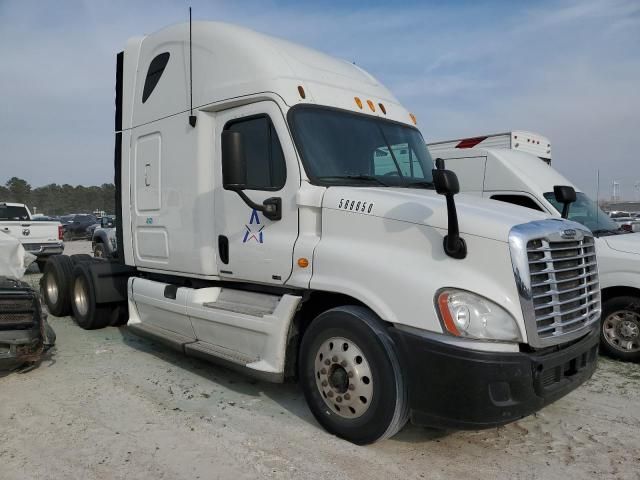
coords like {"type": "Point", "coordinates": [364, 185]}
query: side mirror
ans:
{"type": "Point", "coordinates": [446, 183]}
{"type": "Point", "coordinates": [234, 175]}
{"type": "Point", "coordinates": [565, 195]}
{"type": "Point", "coordinates": [234, 163]}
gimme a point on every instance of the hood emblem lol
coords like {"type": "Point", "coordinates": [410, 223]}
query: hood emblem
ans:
{"type": "Point", "coordinates": [569, 233]}
{"type": "Point", "coordinates": [26, 232]}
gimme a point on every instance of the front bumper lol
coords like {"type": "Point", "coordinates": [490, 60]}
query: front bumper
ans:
{"type": "Point", "coordinates": [458, 388]}
{"type": "Point", "coordinates": [44, 249]}
{"type": "Point", "coordinates": [23, 328]}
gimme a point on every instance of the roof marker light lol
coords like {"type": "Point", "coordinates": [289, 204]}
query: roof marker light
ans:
{"type": "Point", "coordinates": [358, 102]}
{"type": "Point", "coordinates": [372, 107]}
{"type": "Point", "coordinates": [384, 110]}
{"type": "Point", "coordinates": [413, 119]}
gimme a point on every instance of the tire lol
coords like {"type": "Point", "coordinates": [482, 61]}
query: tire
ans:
{"type": "Point", "coordinates": [56, 284]}
{"type": "Point", "coordinates": [620, 328]}
{"type": "Point", "coordinates": [81, 258]}
{"type": "Point", "coordinates": [359, 394]}
{"type": "Point", "coordinates": [87, 314]}
{"type": "Point", "coordinates": [67, 237]}
{"type": "Point", "coordinates": [99, 251]}
{"type": "Point", "coordinates": [41, 264]}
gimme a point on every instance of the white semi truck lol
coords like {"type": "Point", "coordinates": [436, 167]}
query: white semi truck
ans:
{"type": "Point", "coordinates": [503, 173]}
{"type": "Point", "coordinates": [292, 225]}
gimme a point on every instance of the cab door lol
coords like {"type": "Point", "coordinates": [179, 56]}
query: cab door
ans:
{"type": "Point", "coordinates": [250, 246]}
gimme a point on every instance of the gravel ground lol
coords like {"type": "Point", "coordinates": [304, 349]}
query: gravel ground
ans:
{"type": "Point", "coordinates": [106, 404]}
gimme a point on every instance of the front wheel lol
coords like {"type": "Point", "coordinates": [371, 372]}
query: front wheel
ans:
{"type": "Point", "coordinates": [620, 328]}
{"type": "Point", "coordinates": [351, 376]}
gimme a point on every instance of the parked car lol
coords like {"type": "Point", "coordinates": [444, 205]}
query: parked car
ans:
{"type": "Point", "coordinates": [77, 227]}
{"type": "Point", "coordinates": [628, 223]}
{"type": "Point", "coordinates": [41, 238]}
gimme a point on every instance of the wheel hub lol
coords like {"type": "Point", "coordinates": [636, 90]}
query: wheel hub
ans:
{"type": "Point", "coordinates": [52, 289]}
{"type": "Point", "coordinates": [622, 330]}
{"type": "Point", "coordinates": [80, 296]}
{"type": "Point", "coordinates": [343, 377]}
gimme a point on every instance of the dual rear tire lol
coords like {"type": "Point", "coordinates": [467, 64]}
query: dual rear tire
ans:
{"type": "Point", "coordinates": [67, 288]}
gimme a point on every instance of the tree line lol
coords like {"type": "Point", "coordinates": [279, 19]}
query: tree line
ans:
{"type": "Point", "coordinates": [54, 199]}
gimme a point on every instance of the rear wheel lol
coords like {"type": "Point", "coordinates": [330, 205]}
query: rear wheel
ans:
{"type": "Point", "coordinates": [351, 376]}
{"type": "Point", "coordinates": [55, 285]}
{"type": "Point", "coordinates": [620, 328]}
{"type": "Point", "coordinates": [81, 257]}
{"type": "Point", "coordinates": [99, 251]}
{"type": "Point", "coordinates": [87, 313]}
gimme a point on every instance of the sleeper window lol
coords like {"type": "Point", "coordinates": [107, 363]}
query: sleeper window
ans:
{"type": "Point", "coordinates": [156, 68]}
{"type": "Point", "coordinates": [266, 168]}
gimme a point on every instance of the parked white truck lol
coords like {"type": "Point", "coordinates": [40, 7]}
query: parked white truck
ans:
{"type": "Point", "coordinates": [504, 174]}
{"type": "Point", "coordinates": [42, 239]}
{"type": "Point", "coordinates": [293, 226]}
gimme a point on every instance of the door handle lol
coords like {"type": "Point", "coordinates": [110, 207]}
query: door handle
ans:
{"type": "Point", "coordinates": [223, 249]}
{"type": "Point", "coordinates": [146, 175]}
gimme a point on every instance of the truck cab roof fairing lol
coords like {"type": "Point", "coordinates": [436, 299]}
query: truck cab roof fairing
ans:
{"type": "Point", "coordinates": [231, 62]}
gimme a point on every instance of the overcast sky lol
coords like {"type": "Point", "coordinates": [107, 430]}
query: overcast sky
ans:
{"type": "Point", "coordinates": [567, 69]}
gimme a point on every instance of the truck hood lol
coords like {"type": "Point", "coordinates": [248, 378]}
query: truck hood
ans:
{"type": "Point", "coordinates": [476, 216]}
{"type": "Point", "coordinates": [627, 243]}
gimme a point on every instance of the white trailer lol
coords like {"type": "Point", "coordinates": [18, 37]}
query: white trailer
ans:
{"type": "Point", "coordinates": [516, 177]}
{"type": "Point", "coordinates": [518, 140]}
{"type": "Point", "coordinates": [292, 225]}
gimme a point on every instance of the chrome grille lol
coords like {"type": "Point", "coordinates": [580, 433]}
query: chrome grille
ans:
{"type": "Point", "coordinates": [557, 274]}
{"type": "Point", "coordinates": [564, 284]}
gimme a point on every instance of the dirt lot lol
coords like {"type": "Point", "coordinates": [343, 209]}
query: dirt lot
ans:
{"type": "Point", "coordinates": [106, 404]}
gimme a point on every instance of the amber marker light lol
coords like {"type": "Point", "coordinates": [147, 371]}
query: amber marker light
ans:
{"type": "Point", "coordinates": [301, 92]}
{"type": "Point", "coordinates": [413, 119]}
{"type": "Point", "coordinates": [303, 262]}
{"type": "Point", "coordinates": [371, 105]}
{"type": "Point", "coordinates": [443, 305]}
{"type": "Point", "coordinates": [358, 102]}
{"type": "Point", "coordinates": [384, 110]}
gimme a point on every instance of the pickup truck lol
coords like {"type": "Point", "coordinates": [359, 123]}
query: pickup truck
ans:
{"type": "Point", "coordinates": [103, 240]}
{"type": "Point", "coordinates": [42, 239]}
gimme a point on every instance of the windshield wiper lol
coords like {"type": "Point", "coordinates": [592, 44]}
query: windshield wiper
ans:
{"type": "Point", "coordinates": [421, 183]}
{"type": "Point", "coordinates": [368, 178]}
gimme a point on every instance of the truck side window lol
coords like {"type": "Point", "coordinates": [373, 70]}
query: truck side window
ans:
{"type": "Point", "coordinates": [266, 169]}
{"type": "Point", "coordinates": [156, 68]}
{"type": "Point", "coordinates": [520, 200]}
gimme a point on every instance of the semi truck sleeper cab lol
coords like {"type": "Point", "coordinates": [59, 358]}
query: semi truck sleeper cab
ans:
{"type": "Point", "coordinates": [292, 225]}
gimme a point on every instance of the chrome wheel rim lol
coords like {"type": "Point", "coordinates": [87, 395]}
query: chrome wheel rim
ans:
{"type": "Point", "coordinates": [343, 377]}
{"type": "Point", "coordinates": [51, 287]}
{"type": "Point", "coordinates": [622, 330]}
{"type": "Point", "coordinates": [80, 296]}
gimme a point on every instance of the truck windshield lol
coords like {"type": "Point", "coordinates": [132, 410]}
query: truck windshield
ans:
{"type": "Point", "coordinates": [586, 212]}
{"type": "Point", "coordinates": [344, 148]}
{"type": "Point", "coordinates": [13, 213]}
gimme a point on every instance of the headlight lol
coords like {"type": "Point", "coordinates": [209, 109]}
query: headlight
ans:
{"type": "Point", "coordinates": [465, 314]}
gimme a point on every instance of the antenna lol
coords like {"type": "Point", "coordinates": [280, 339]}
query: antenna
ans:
{"type": "Point", "coordinates": [192, 117]}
